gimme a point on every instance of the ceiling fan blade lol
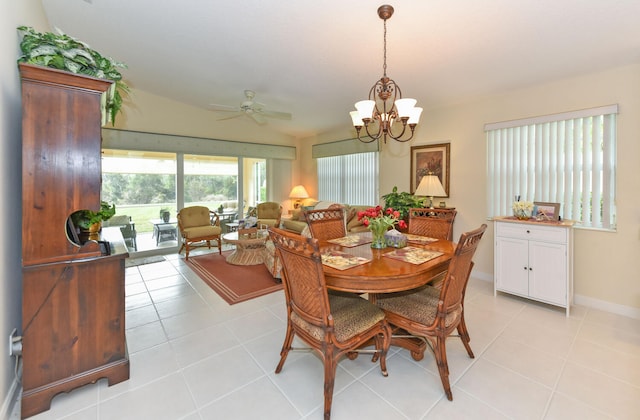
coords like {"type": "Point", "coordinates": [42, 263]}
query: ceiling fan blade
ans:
{"type": "Point", "coordinates": [276, 114]}
{"type": "Point", "coordinates": [238, 114]}
{"type": "Point", "coordinates": [258, 118]}
{"type": "Point", "coordinates": [225, 108]}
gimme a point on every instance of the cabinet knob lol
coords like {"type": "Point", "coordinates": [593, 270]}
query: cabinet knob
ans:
{"type": "Point", "coordinates": [530, 269]}
{"type": "Point", "coordinates": [528, 231]}
{"type": "Point", "coordinates": [525, 268]}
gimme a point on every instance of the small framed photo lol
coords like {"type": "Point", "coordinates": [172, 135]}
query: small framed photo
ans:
{"type": "Point", "coordinates": [546, 211]}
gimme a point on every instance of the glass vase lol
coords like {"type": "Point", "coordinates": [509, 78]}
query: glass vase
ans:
{"type": "Point", "coordinates": [379, 241]}
{"type": "Point", "coordinates": [522, 214]}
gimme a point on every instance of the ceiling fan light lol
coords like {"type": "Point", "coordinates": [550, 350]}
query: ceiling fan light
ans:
{"type": "Point", "coordinates": [414, 115]}
{"type": "Point", "coordinates": [404, 106]}
{"type": "Point", "coordinates": [365, 108]}
{"type": "Point", "coordinates": [355, 118]}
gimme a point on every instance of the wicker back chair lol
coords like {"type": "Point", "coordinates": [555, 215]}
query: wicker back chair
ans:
{"type": "Point", "coordinates": [331, 325]}
{"type": "Point", "coordinates": [326, 223]}
{"type": "Point", "coordinates": [434, 313]}
{"type": "Point", "coordinates": [434, 223]}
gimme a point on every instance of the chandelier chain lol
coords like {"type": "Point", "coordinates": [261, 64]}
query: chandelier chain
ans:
{"type": "Point", "coordinates": [384, 56]}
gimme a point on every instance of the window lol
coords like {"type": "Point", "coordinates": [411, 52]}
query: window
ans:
{"type": "Point", "coordinates": [566, 158]}
{"type": "Point", "coordinates": [351, 178]}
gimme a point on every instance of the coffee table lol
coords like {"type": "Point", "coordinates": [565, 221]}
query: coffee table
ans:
{"type": "Point", "coordinates": [250, 248]}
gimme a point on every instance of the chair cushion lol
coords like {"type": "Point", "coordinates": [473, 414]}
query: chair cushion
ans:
{"type": "Point", "coordinates": [419, 306]}
{"type": "Point", "coordinates": [195, 216]}
{"type": "Point", "coordinates": [201, 232]}
{"type": "Point", "coordinates": [269, 210]}
{"type": "Point", "coordinates": [351, 316]}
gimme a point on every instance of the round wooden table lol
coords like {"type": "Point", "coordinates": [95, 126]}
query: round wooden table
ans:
{"type": "Point", "coordinates": [250, 248]}
{"type": "Point", "coordinates": [387, 275]}
{"type": "Point", "coordinates": [382, 274]}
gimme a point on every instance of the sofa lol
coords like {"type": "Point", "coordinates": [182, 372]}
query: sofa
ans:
{"type": "Point", "coordinates": [296, 223]}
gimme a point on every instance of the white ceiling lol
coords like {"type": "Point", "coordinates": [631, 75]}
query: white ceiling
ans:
{"type": "Point", "coordinates": [316, 58]}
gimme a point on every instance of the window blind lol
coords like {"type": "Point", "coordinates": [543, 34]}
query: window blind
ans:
{"type": "Point", "coordinates": [566, 158]}
{"type": "Point", "coordinates": [351, 179]}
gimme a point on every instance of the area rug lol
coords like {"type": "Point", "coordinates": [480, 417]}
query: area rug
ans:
{"type": "Point", "coordinates": [132, 262]}
{"type": "Point", "coordinates": [234, 283]}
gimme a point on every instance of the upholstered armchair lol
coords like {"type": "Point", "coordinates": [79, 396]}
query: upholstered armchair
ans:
{"type": "Point", "coordinates": [269, 214]}
{"type": "Point", "coordinates": [198, 224]}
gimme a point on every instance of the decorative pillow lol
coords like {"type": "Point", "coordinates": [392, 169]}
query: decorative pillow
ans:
{"type": "Point", "coordinates": [350, 212]}
{"type": "Point", "coordinates": [297, 215]}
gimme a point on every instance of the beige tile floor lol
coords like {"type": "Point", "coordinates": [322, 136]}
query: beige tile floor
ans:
{"type": "Point", "coordinates": [195, 357]}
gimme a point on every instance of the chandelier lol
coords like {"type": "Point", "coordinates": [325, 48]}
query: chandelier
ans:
{"type": "Point", "coordinates": [385, 104]}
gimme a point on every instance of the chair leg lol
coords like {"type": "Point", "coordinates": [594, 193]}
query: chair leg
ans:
{"type": "Point", "coordinates": [330, 365]}
{"type": "Point", "coordinates": [186, 248]}
{"type": "Point", "coordinates": [286, 346]}
{"type": "Point", "coordinates": [464, 335]}
{"type": "Point", "coordinates": [440, 352]}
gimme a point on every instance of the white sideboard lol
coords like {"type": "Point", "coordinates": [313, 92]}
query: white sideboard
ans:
{"type": "Point", "coordinates": [534, 260]}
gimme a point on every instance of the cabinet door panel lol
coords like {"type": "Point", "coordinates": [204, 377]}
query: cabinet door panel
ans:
{"type": "Point", "coordinates": [512, 265]}
{"type": "Point", "coordinates": [547, 279]}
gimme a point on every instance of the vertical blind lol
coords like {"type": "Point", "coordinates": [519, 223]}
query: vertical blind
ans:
{"type": "Point", "coordinates": [566, 158]}
{"type": "Point", "coordinates": [351, 179]}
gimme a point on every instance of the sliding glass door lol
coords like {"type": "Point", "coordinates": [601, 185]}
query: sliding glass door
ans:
{"type": "Point", "coordinates": [146, 185]}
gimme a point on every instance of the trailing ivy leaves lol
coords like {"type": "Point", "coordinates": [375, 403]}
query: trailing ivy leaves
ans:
{"type": "Point", "coordinates": [62, 52]}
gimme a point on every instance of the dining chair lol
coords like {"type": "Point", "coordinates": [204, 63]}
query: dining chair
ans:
{"type": "Point", "coordinates": [435, 223]}
{"type": "Point", "coordinates": [326, 224]}
{"type": "Point", "coordinates": [198, 224]}
{"type": "Point", "coordinates": [433, 314]}
{"type": "Point", "coordinates": [332, 325]}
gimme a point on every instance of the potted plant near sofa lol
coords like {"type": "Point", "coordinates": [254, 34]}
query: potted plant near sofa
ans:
{"type": "Point", "coordinates": [90, 222]}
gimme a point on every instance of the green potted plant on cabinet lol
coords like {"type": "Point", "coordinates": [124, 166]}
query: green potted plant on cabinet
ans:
{"type": "Point", "coordinates": [63, 52]}
{"type": "Point", "coordinates": [90, 222]}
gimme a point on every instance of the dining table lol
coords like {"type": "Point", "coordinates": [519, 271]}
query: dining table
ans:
{"type": "Point", "coordinates": [363, 269]}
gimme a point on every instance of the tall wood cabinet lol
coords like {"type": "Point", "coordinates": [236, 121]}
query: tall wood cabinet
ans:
{"type": "Point", "coordinates": [534, 260]}
{"type": "Point", "coordinates": [72, 294]}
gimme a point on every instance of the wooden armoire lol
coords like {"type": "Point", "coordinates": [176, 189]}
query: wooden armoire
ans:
{"type": "Point", "coordinates": [73, 326]}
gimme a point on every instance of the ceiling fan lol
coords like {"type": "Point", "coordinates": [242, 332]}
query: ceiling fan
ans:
{"type": "Point", "coordinates": [255, 110]}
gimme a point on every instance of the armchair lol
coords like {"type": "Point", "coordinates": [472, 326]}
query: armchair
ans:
{"type": "Point", "coordinates": [269, 213]}
{"type": "Point", "coordinates": [198, 224]}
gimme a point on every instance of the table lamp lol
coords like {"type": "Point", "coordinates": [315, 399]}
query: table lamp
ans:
{"type": "Point", "coordinates": [298, 193]}
{"type": "Point", "coordinates": [430, 186]}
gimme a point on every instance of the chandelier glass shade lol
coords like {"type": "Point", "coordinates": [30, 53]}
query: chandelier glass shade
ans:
{"type": "Point", "coordinates": [385, 104]}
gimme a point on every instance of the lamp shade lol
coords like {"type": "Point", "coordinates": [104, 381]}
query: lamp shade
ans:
{"type": "Point", "coordinates": [430, 186]}
{"type": "Point", "coordinates": [298, 192]}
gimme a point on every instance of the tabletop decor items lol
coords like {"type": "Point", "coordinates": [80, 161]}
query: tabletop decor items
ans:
{"type": "Point", "coordinates": [522, 209]}
{"type": "Point", "coordinates": [395, 239]}
{"type": "Point", "coordinates": [379, 221]}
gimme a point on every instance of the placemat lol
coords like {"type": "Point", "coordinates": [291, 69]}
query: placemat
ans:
{"type": "Point", "coordinates": [341, 260]}
{"type": "Point", "coordinates": [413, 255]}
{"type": "Point", "coordinates": [417, 239]}
{"type": "Point", "coordinates": [351, 241]}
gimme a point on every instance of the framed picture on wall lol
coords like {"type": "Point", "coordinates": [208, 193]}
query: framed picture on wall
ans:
{"type": "Point", "coordinates": [430, 158]}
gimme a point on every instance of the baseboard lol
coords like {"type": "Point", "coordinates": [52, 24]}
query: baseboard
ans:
{"type": "Point", "coordinates": [603, 305]}
{"type": "Point", "coordinates": [587, 301]}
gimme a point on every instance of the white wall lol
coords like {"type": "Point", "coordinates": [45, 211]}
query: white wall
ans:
{"type": "Point", "coordinates": [604, 273]}
{"type": "Point", "coordinates": [12, 15]}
